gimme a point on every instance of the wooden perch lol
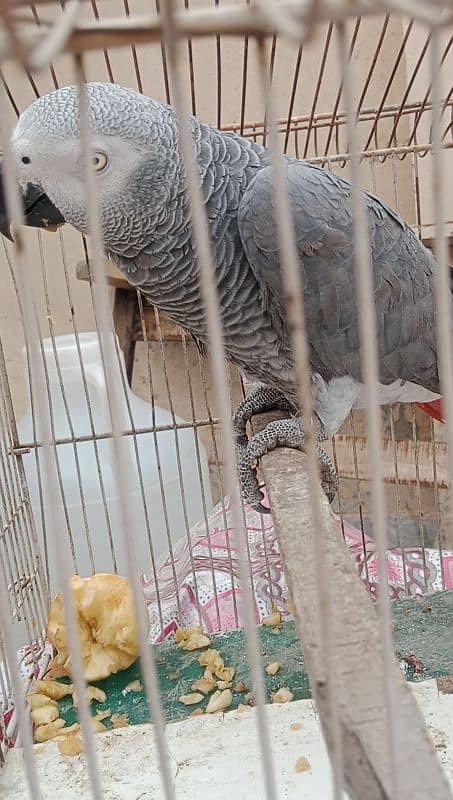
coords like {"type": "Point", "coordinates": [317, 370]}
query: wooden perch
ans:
{"type": "Point", "coordinates": [113, 276]}
{"type": "Point", "coordinates": [357, 651]}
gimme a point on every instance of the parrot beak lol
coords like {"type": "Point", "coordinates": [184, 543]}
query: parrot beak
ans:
{"type": "Point", "coordinates": [38, 210]}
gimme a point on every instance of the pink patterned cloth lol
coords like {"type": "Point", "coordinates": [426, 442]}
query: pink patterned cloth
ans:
{"type": "Point", "coordinates": [203, 580]}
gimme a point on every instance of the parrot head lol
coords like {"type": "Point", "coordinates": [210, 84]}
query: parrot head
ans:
{"type": "Point", "coordinates": [132, 149]}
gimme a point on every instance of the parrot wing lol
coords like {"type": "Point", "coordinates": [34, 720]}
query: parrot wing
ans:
{"type": "Point", "coordinates": [403, 275]}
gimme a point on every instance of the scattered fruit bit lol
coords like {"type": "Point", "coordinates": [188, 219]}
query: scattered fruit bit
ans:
{"type": "Point", "coordinates": [56, 670]}
{"type": "Point", "coordinates": [174, 676]}
{"type": "Point", "coordinates": [93, 694]}
{"type": "Point", "coordinates": [106, 622]}
{"type": "Point", "coordinates": [205, 684]}
{"type": "Point", "coordinates": [96, 694]}
{"type": "Point", "coordinates": [212, 660]}
{"type": "Point", "coordinates": [66, 731]}
{"type": "Point", "coordinates": [225, 673]}
{"type": "Point", "coordinates": [101, 715]}
{"type": "Point", "coordinates": [53, 689]}
{"type": "Point", "coordinates": [191, 699]}
{"type": "Point", "coordinates": [37, 700]}
{"type": "Point", "coordinates": [44, 715]}
{"type": "Point", "coordinates": [46, 732]}
{"type": "Point", "coordinates": [196, 642]}
{"type": "Point", "coordinates": [192, 638]}
{"type": "Point", "coordinates": [273, 668]}
{"type": "Point", "coordinates": [273, 619]}
{"type": "Point", "coordinates": [71, 745]}
{"type": "Point", "coordinates": [276, 631]}
{"type": "Point", "coordinates": [303, 764]}
{"type": "Point", "coordinates": [182, 634]}
{"type": "Point", "coordinates": [120, 720]}
{"type": "Point", "coordinates": [283, 695]}
{"type": "Point", "coordinates": [243, 707]}
{"type": "Point", "coordinates": [219, 701]}
{"type": "Point", "coordinates": [99, 726]}
{"type": "Point", "coordinates": [135, 686]}
{"type": "Point", "coordinates": [197, 712]}
{"type": "Point", "coordinates": [296, 726]}
{"type": "Point", "coordinates": [240, 688]}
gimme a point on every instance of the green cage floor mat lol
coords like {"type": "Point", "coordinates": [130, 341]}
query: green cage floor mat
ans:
{"type": "Point", "coordinates": [423, 634]}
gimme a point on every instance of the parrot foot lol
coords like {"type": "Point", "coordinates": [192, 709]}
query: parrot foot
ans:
{"type": "Point", "coordinates": [260, 400]}
{"type": "Point", "coordinates": [280, 433]}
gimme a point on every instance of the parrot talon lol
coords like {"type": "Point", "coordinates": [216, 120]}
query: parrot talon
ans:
{"type": "Point", "coordinates": [262, 509]}
{"type": "Point", "coordinates": [279, 433]}
{"type": "Point", "coordinates": [260, 400]}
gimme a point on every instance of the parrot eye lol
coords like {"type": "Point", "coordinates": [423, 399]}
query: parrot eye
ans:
{"type": "Point", "coordinates": [99, 161]}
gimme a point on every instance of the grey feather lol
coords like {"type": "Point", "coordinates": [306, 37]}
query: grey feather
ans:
{"type": "Point", "coordinates": [403, 272]}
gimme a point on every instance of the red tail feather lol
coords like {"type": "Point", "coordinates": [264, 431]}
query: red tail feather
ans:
{"type": "Point", "coordinates": [434, 409]}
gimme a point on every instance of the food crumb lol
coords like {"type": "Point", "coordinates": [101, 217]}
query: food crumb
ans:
{"type": "Point", "coordinates": [303, 764]}
{"type": "Point", "coordinates": [273, 619]}
{"type": "Point", "coordinates": [135, 686]}
{"type": "Point", "coordinates": [219, 701]}
{"type": "Point", "coordinates": [120, 720]}
{"type": "Point", "coordinates": [191, 699]}
{"type": "Point", "coordinates": [71, 745]}
{"type": "Point", "coordinates": [273, 668]}
{"type": "Point", "coordinates": [283, 695]}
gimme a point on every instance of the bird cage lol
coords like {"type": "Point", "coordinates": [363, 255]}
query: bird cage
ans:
{"type": "Point", "coordinates": [117, 453]}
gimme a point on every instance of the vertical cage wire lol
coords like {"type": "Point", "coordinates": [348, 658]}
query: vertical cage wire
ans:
{"type": "Point", "coordinates": [369, 359]}
{"type": "Point", "coordinates": [178, 455]}
{"type": "Point", "coordinates": [75, 328]}
{"type": "Point", "coordinates": [213, 320]}
{"type": "Point", "coordinates": [296, 315]}
{"type": "Point", "coordinates": [109, 356]}
{"type": "Point", "coordinates": [443, 292]}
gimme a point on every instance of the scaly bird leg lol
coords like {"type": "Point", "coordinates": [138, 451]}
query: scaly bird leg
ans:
{"type": "Point", "coordinates": [260, 400]}
{"type": "Point", "coordinates": [280, 433]}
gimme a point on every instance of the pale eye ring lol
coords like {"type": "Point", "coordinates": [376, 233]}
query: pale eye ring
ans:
{"type": "Point", "coordinates": [99, 161]}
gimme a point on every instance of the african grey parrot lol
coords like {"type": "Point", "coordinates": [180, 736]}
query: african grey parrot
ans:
{"type": "Point", "coordinates": [146, 225]}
